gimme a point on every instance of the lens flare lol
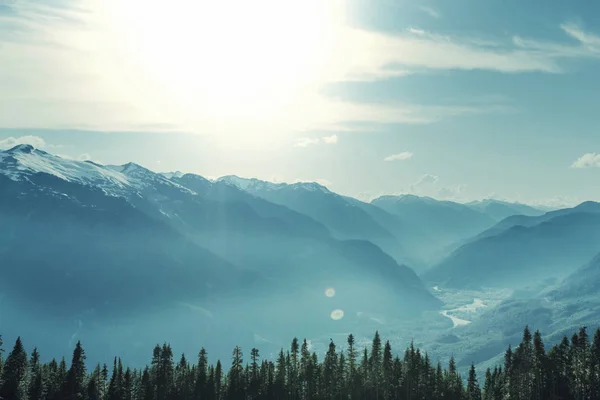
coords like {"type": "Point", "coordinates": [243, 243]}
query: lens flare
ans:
{"type": "Point", "coordinates": [338, 314]}
{"type": "Point", "coordinates": [330, 292]}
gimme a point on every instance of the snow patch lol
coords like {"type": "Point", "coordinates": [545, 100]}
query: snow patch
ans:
{"type": "Point", "coordinates": [23, 161]}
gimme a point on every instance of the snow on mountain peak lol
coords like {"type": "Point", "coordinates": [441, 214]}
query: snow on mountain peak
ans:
{"type": "Point", "coordinates": [171, 175]}
{"type": "Point", "coordinates": [22, 148]}
{"type": "Point", "coordinates": [23, 161]}
{"type": "Point", "coordinates": [253, 184]}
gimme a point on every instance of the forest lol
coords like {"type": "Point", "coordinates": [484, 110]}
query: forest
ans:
{"type": "Point", "coordinates": [568, 370]}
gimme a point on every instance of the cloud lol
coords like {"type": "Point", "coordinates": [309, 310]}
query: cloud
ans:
{"type": "Point", "coordinates": [425, 179]}
{"type": "Point", "coordinates": [588, 160]}
{"type": "Point", "coordinates": [107, 67]}
{"type": "Point", "coordinates": [305, 142]}
{"type": "Point", "coordinates": [320, 181]}
{"type": "Point", "coordinates": [405, 155]}
{"type": "Point", "coordinates": [11, 142]}
{"type": "Point", "coordinates": [589, 40]}
{"type": "Point", "coordinates": [431, 11]}
{"type": "Point", "coordinates": [451, 193]}
{"type": "Point", "coordinates": [428, 185]}
{"type": "Point", "coordinates": [333, 139]}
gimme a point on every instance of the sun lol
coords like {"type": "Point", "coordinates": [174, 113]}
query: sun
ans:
{"type": "Point", "coordinates": [228, 60]}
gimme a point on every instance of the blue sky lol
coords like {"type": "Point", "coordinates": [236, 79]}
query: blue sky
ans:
{"type": "Point", "coordinates": [464, 99]}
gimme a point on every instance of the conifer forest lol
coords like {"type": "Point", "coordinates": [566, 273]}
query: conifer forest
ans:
{"type": "Point", "coordinates": [530, 371]}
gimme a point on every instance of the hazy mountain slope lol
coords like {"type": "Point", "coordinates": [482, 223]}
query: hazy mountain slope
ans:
{"type": "Point", "coordinates": [584, 282]}
{"type": "Point", "coordinates": [345, 219]}
{"type": "Point", "coordinates": [111, 246]}
{"type": "Point", "coordinates": [182, 225]}
{"type": "Point", "coordinates": [529, 220]}
{"type": "Point", "coordinates": [74, 248]}
{"type": "Point", "coordinates": [572, 304]}
{"type": "Point", "coordinates": [523, 255]}
{"type": "Point", "coordinates": [221, 192]}
{"type": "Point", "coordinates": [435, 225]}
{"type": "Point", "coordinates": [500, 210]}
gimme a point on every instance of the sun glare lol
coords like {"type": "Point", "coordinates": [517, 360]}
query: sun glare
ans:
{"type": "Point", "coordinates": [228, 59]}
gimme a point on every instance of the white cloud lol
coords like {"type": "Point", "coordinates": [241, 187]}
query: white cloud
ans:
{"type": "Point", "coordinates": [425, 179]}
{"type": "Point", "coordinates": [333, 139]}
{"type": "Point", "coordinates": [431, 11]}
{"type": "Point", "coordinates": [405, 155]}
{"type": "Point", "coordinates": [588, 160]}
{"type": "Point", "coordinates": [428, 185]}
{"type": "Point", "coordinates": [451, 193]}
{"type": "Point", "coordinates": [11, 142]}
{"type": "Point", "coordinates": [320, 181]}
{"type": "Point", "coordinates": [416, 31]}
{"type": "Point", "coordinates": [305, 142]}
{"type": "Point", "coordinates": [591, 41]}
{"type": "Point", "coordinates": [107, 67]}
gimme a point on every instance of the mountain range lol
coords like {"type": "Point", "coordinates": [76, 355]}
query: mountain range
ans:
{"type": "Point", "coordinates": [110, 247]}
{"type": "Point", "coordinates": [523, 250]}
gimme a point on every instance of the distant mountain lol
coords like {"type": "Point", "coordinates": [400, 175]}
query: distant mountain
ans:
{"type": "Point", "coordinates": [566, 307]}
{"type": "Point", "coordinates": [549, 246]}
{"type": "Point", "coordinates": [434, 225]}
{"type": "Point", "coordinates": [80, 239]}
{"type": "Point", "coordinates": [582, 283]}
{"type": "Point", "coordinates": [533, 220]}
{"type": "Point", "coordinates": [500, 210]}
{"type": "Point", "coordinates": [345, 218]}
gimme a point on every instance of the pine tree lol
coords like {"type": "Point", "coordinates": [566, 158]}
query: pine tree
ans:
{"type": "Point", "coordinates": [201, 388]}
{"type": "Point", "coordinates": [236, 386]}
{"type": "Point", "coordinates": [75, 387]}
{"type": "Point", "coordinates": [15, 371]}
{"type": "Point", "coordinates": [473, 391]}
{"type": "Point", "coordinates": [540, 368]}
{"type": "Point", "coordinates": [218, 380]}
{"type": "Point", "coordinates": [375, 365]}
{"type": "Point", "coordinates": [1, 360]}
{"type": "Point", "coordinates": [36, 382]}
{"type": "Point", "coordinates": [281, 375]}
{"type": "Point", "coordinates": [255, 379]}
{"type": "Point", "coordinates": [293, 373]}
{"type": "Point", "coordinates": [330, 368]}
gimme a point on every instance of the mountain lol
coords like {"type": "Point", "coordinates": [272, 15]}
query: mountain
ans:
{"type": "Point", "coordinates": [582, 283]}
{"type": "Point", "coordinates": [67, 233]}
{"type": "Point", "coordinates": [434, 225]}
{"type": "Point", "coordinates": [119, 244]}
{"type": "Point", "coordinates": [571, 304]}
{"type": "Point", "coordinates": [500, 210]}
{"type": "Point", "coordinates": [346, 219]}
{"type": "Point", "coordinates": [532, 220]}
{"type": "Point", "coordinates": [546, 247]}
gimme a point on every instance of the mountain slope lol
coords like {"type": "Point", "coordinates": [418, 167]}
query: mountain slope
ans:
{"type": "Point", "coordinates": [434, 225]}
{"type": "Point", "coordinates": [582, 283]}
{"type": "Point", "coordinates": [72, 248]}
{"type": "Point", "coordinates": [529, 220]}
{"type": "Point", "coordinates": [500, 210]}
{"type": "Point", "coordinates": [345, 219]}
{"type": "Point", "coordinates": [184, 233]}
{"type": "Point", "coordinates": [522, 255]}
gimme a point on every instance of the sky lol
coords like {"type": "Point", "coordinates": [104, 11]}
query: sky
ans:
{"type": "Point", "coordinates": [458, 100]}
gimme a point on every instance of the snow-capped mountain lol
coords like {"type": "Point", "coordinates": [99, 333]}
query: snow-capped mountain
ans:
{"type": "Point", "coordinates": [253, 185]}
{"type": "Point", "coordinates": [23, 161]}
{"type": "Point", "coordinates": [185, 230]}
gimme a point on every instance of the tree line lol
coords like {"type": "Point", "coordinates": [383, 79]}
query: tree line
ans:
{"type": "Point", "coordinates": [569, 370]}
